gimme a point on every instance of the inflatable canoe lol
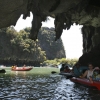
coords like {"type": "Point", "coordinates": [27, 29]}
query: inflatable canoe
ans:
{"type": "Point", "coordinates": [86, 82]}
{"type": "Point", "coordinates": [22, 69]}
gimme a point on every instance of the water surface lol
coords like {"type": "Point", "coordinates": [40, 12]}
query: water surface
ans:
{"type": "Point", "coordinates": [23, 86]}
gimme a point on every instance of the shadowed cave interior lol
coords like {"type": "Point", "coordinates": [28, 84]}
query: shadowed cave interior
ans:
{"type": "Point", "coordinates": [65, 12]}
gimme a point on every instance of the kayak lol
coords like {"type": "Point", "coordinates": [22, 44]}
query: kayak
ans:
{"type": "Point", "coordinates": [22, 69]}
{"type": "Point", "coordinates": [86, 82]}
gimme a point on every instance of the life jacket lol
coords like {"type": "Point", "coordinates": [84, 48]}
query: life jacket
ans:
{"type": "Point", "coordinates": [12, 67]}
{"type": "Point", "coordinates": [89, 73]}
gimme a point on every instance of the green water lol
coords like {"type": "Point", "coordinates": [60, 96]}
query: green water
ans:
{"type": "Point", "coordinates": [26, 86]}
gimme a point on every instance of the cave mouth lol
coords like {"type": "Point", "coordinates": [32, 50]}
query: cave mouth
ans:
{"type": "Point", "coordinates": [73, 41]}
{"type": "Point", "coordinates": [72, 38]}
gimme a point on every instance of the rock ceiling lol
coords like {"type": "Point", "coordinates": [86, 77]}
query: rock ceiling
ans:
{"type": "Point", "coordinates": [65, 12]}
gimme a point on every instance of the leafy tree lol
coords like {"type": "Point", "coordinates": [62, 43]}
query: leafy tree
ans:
{"type": "Point", "coordinates": [59, 61]}
{"type": "Point", "coordinates": [16, 47]}
{"type": "Point", "coordinates": [54, 49]}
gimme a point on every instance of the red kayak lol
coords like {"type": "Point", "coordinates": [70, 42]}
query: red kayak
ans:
{"type": "Point", "coordinates": [86, 82]}
{"type": "Point", "coordinates": [22, 69]}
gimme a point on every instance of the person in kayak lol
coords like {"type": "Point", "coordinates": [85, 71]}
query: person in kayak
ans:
{"type": "Point", "coordinates": [24, 66]}
{"type": "Point", "coordinates": [96, 74]}
{"type": "Point", "coordinates": [89, 73]}
{"type": "Point", "coordinates": [76, 70]}
{"type": "Point", "coordinates": [14, 67]}
{"type": "Point", "coordinates": [62, 68]}
{"type": "Point", "coordinates": [79, 70]}
{"type": "Point", "coordinates": [67, 70]}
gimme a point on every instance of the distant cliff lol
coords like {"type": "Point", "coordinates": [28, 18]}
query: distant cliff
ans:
{"type": "Point", "coordinates": [53, 49]}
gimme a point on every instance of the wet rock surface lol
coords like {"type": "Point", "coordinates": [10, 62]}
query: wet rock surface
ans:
{"type": "Point", "coordinates": [91, 46]}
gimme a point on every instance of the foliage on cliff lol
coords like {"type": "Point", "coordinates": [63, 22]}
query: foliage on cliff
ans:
{"type": "Point", "coordinates": [54, 49]}
{"type": "Point", "coordinates": [16, 47]}
{"type": "Point", "coordinates": [59, 61]}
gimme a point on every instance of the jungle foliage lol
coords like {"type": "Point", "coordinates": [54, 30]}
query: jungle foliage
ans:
{"type": "Point", "coordinates": [56, 62]}
{"type": "Point", "coordinates": [17, 48]}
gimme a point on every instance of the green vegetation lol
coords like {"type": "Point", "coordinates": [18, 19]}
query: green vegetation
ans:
{"type": "Point", "coordinates": [17, 48]}
{"type": "Point", "coordinates": [53, 49]}
{"type": "Point", "coordinates": [59, 61]}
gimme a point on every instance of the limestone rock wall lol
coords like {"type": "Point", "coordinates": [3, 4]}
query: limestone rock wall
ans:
{"type": "Point", "coordinates": [65, 12]}
{"type": "Point", "coordinates": [91, 45]}
{"type": "Point", "coordinates": [10, 11]}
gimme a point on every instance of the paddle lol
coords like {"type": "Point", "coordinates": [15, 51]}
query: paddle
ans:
{"type": "Point", "coordinates": [68, 75]}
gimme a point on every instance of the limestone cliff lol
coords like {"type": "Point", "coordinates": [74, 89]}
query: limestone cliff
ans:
{"type": "Point", "coordinates": [91, 45]}
{"type": "Point", "coordinates": [53, 49]}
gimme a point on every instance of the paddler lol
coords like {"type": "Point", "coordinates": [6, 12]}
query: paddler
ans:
{"type": "Point", "coordinates": [14, 67]}
{"type": "Point", "coordinates": [24, 66]}
{"type": "Point", "coordinates": [67, 70]}
{"type": "Point", "coordinates": [89, 73]}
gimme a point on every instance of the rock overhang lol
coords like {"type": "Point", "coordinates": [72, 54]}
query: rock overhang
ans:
{"type": "Point", "coordinates": [65, 12]}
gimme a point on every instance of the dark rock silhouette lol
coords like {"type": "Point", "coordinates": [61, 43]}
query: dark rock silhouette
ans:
{"type": "Point", "coordinates": [2, 71]}
{"type": "Point", "coordinates": [91, 46]}
{"type": "Point", "coordinates": [53, 72]}
{"type": "Point", "coordinates": [65, 12]}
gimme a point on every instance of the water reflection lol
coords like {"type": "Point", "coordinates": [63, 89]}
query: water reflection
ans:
{"type": "Point", "coordinates": [22, 86]}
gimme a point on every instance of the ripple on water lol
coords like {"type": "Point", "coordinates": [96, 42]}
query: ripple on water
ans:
{"type": "Point", "coordinates": [53, 87]}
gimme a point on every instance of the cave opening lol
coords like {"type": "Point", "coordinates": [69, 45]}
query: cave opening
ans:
{"type": "Point", "coordinates": [73, 41]}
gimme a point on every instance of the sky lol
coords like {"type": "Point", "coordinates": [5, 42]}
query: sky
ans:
{"type": "Point", "coordinates": [72, 38]}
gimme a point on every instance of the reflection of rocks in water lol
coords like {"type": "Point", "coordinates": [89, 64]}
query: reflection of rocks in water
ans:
{"type": "Point", "coordinates": [64, 90]}
{"type": "Point", "coordinates": [69, 91]}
